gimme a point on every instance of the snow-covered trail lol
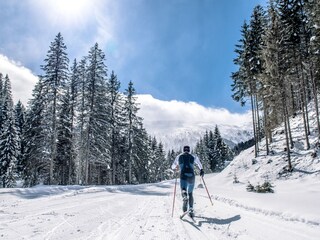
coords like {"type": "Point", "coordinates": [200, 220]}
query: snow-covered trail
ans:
{"type": "Point", "coordinates": [140, 212]}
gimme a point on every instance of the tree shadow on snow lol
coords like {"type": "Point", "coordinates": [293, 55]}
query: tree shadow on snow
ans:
{"type": "Point", "coordinates": [218, 221]}
{"type": "Point", "coordinates": [304, 171]}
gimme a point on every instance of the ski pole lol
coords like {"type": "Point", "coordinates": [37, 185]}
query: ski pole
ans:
{"type": "Point", "coordinates": [174, 195]}
{"type": "Point", "coordinates": [207, 190]}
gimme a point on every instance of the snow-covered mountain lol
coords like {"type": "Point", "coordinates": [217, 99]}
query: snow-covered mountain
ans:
{"type": "Point", "coordinates": [177, 123]}
{"type": "Point", "coordinates": [176, 137]}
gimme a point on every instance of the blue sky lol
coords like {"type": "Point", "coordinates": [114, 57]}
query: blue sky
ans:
{"type": "Point", "coordinates": [172, 49]}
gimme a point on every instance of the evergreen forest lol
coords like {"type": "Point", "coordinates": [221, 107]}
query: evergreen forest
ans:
{"type": "Point", "coordinates": [278, 69]}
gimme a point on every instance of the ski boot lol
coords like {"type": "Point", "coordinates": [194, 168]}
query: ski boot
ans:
{"type": "Point", "coordinates": [185, 200]}
{"type": "Point", "coordinates": [191, 213]}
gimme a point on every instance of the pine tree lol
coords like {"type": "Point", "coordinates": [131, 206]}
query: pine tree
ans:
{"type": "Point", "coordinates": [8, 139]}
{"type": "Point", "coordinates": [254, 48]}
{"type": "Point", "coordinates": [153, 164]}
{"type": "Point", "coordinates": [20, 124]}
{"type": "Point", "coordinates": [163, 162]}
{"type": "Point", "coordinates": [1, 99]}
{"type": "Point", "coordinates": [133, 122]}
{"type": "Point", "coordinates": [202, 150]}
{"type": "Point", "coordinates": [171, 156]}
{"type": "Point", "coordinates": [313, 23]}
{"type": "Point", "coordinates": [116, 119]}
{"type": "Point", "coordinates": [243, 85]}
{"type": "Point", "coordinates": [141, 152]}
{"type": "Point", "coordinates": [82, 108]}
{"type": "Point", "coordinates": [54, 82]}
{"type": "Point", "coordinates": [219, 147]}
{"type": "Point", "coordinates": [213, 152]}
{"type": "Point", "coordinates": [64, 163]}
{"type": "Point", "coordinates": [35, 156]}
{"type": "Point", "coordinates": [239, 86]}
{"type": "Point", "coordinates": [95, 140]}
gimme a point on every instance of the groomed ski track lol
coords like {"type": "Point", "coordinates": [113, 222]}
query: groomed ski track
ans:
{"type": "Point", "coordinates": [139, 212]}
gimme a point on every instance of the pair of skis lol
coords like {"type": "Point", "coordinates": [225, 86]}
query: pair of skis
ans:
{"type": "Point", "coordinates": [187, 213]}
{"type": "Point", "coordinates": [174, 194]}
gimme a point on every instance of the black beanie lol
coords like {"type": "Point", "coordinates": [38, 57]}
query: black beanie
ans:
{"type": "Point", "coordinates": [186, 149]}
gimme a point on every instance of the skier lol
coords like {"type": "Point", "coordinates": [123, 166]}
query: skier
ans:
{"type": "Point", "coordinates": [185, 161]}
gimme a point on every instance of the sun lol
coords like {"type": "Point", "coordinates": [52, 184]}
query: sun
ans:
{"type": "Point", "coordinates": [70, 7]}
{"type": "Point", "coordinates": [67, 12]}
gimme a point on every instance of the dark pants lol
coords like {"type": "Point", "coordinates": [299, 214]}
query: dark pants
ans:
{"type": "Point", "coordinates": [187, 184]}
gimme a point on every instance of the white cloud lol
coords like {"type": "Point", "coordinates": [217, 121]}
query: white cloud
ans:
{"type": "Point", "coordinates": [160, 116]}
{"type": "Point", "coordinates": [22, 79]}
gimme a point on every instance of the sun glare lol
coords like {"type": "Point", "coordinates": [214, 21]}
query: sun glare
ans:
{"type": "Point", "coordinates": [70, 7]}
{"type": "Point", "coordinates": [68, 11]}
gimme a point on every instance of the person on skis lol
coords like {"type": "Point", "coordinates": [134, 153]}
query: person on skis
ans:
{"type": "Point", "coordinates": [185, 162]}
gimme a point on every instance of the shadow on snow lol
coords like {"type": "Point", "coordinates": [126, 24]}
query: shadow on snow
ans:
{"type": "Point", "coordinates": [207, 220]}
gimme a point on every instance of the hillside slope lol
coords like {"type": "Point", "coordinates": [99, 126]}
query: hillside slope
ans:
{"type": "Point", "coordinates": [305, 162]}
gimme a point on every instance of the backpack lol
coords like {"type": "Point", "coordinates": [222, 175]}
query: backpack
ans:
{"type": "Point", "coordinates": [186, 162]}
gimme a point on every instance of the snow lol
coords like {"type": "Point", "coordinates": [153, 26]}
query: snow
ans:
{"type": "Point", "coordinates": [144, 212]}
{"type": "Point", "coordinates": [292, 212]}
{"type": "Point", "coordinates": [180, 135]}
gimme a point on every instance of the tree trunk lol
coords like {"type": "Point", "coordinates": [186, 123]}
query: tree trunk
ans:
{"type": "Point", "coordinates": [304, 120]}
{"type": "Point", "coordinates": [289, 128]}
{"type": "Point", "coordinates": [304, 106]}
{"type": "Point", "coordinates": [257, 121]}
{"type": "Point", "coordinates": [266, 126]}
{"type": "Point", "coordinates": [254, 124]}
{"type": "Point", "coordinates": [53, 137]}
{"type": "Point", "coordinates": [315, 98]}
{"type": "Point", "coordinates": [286, 118]}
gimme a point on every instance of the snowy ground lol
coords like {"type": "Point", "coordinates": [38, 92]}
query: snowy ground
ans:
{"type": "Point", "coordinates": [144, 212]}
{"type": "Point", "coordinates": [292, 212]}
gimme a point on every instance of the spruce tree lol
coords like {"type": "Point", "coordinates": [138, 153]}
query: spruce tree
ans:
{"type": "Point", "coordinates": [95, 140]}
{"type": "Point", "coordinates": [35, 155]}
{"type": "Point", "coordinates": [313, 23]}
{"type": "Point", "coordinates": [141, 151]}
{"type": "Point", "coordinates": [64, 163]}
{"type": "Point", "coordinates": [115, 121]}
{"type": "Point", "coordinates": [163, 162]}
{"type": "Point", "coordinates": [1, 99]}
{"type": "Point", "coordinates": [239, 86]}
{"type": "Point", "coordinates": [8, 139]}
{"type": "Point", "coordinates": [55, 76]}
{"type": "Point", "coordinates": [270, 77]}
{"type": "Point", "coordinates": [82, 108]}
{"type": "Point", "coordinates": [20, 112]}
{"type": "Point", "coordinates": [133, 122]}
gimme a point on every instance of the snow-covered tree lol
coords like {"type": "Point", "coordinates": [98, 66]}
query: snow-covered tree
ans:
{"type": "Point", "coordinates": [56, 70]}
{"type": "Point", "coordinates": [20, 112]}
{"type": "Point", "coordinates": [8, 138]}
{"type": "Point", "coordinates": [95, 141]}
{"type": "Point", "coordinates": [81, 120]}
{"type": "Point", "coordinates": [141, 152]}
{"type": "Point", "coordinates": [64, 163]}
{"type": "Point", "coordinates": [115, 122]}
{"type": "Point", "coordinates": [35, 155]}
{"type": "Point", "coordinates": [213, 152]}
{"type": "Point", "coordinates": [132, 124]}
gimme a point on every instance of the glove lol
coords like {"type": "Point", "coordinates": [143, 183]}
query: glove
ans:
{"type": "Point", "coordinates": [201, 172]}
